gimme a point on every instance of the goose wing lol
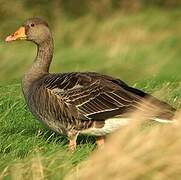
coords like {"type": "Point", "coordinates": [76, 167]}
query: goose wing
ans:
{"type": "Point", "coordinates": [95, 96]}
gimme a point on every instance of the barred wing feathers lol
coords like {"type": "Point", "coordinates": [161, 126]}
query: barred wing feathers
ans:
{"type": "Point", "coordinates": [100, 97]}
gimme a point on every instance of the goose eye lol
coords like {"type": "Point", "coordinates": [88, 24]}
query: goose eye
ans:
{"type": "Point", "coordinates": [32, 25]}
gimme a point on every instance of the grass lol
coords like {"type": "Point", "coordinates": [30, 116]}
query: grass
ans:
{"type": "Point", "coordinates": [136, 153]}
{"type": "Point", "coordinates": [121, 45]}
{"type": "Point", "coordinates": [143, 49]}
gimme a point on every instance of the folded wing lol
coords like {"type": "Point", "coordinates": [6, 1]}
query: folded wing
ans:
{"type": "Point", "coordinates": [99, 97]}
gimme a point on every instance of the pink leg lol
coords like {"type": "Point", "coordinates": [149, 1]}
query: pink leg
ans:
{"type": "Point", "coordinates": [72, 145]}
{"type": "Point", "coordinates": [100, 141]}
{"type": "Point", "coordinates": [72, 136]}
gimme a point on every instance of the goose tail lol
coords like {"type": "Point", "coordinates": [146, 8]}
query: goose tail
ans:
{"type": "Point", "coordinates": [160, 120]}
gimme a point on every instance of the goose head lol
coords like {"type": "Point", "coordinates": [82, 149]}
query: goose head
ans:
{"type": "Point", "coordinates": [34, 29]}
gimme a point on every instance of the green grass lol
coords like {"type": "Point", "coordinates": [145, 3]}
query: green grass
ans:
{"type": "Point", "coordinates": [143, 49]}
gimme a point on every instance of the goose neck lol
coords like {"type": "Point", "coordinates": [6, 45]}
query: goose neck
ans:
{"type": "Point", "coordinates": [44, 57]}
{"type": "Point", "coordinates": [40, 66]}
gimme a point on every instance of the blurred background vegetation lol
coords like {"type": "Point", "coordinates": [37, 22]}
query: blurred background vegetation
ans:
{"type": "Point", "coordinates": [135, 40]}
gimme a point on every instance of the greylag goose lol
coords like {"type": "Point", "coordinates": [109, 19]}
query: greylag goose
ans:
{"type": "Point", "coordinates": [78, 102]}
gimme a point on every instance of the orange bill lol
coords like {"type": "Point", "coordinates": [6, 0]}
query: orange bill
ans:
{"type": "Point", "coordinates": [19, 34]}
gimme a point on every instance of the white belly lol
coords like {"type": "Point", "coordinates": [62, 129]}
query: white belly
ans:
{"type": "Point", "coordinates": [111, 125]}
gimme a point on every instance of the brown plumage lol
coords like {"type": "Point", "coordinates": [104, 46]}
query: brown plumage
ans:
{"type": "Point", "coordinates": [73, 103]}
